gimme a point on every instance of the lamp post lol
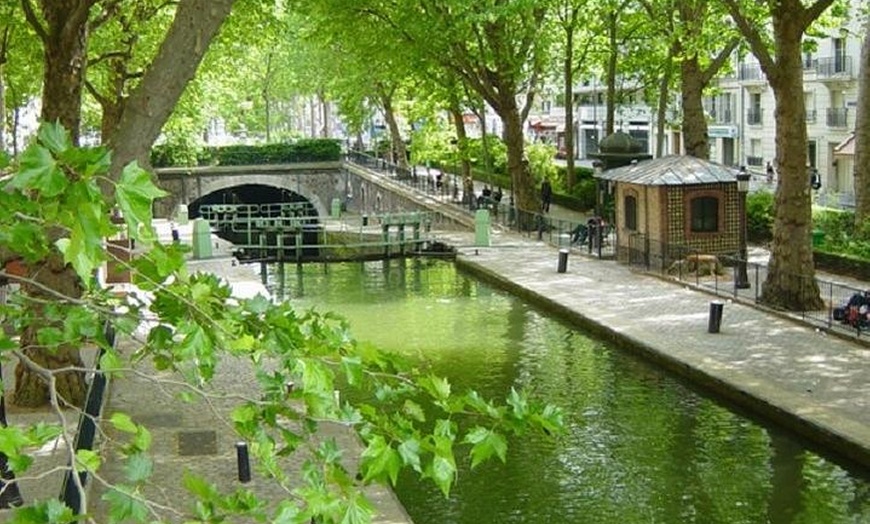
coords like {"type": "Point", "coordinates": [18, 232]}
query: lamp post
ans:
{"type": "Point", "coordinates": [741, 280]}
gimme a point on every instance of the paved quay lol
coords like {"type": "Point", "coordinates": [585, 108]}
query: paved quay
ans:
{"type": "Point", "coordinates": [198, 437]}
{"type": "Point", "coordinates": [790, 372]}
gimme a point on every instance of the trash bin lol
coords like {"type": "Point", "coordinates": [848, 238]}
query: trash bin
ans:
{"type": "Point", "coordinates": [715, 320]}
{"type": "Point", "coordinates": [563, 261]}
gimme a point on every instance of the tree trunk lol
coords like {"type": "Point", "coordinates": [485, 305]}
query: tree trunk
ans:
{"type": "Point", "coordinates": [522, 182]}
{"type": "Point", "coordinates": [791, 282]}
{"type": "Point", "coordinates": [694, 121]}
{"type": "Point", "coordinates": [195, 24]}
{"type": "Point", "coordinates": [662, 107]}
{"type": "Point", "coordinates": [31, 388]}
{"type": "Point", "coordinates": [65, 55]}
{"type": "Point", "coordinates": [324, 114]}
{"type": "Point", "coordinates": [64, 39]}
{"type": "Point", "coordinates": [611, 77]}
{"type": "Point", "coordinates": [571, 177]}
{"type": "Point", "coordinates": [862, 135]}
{"type": "Point", "coordinates": [2, 107]}
{"type": "Point", "coordinates": [150, 105]}
{"type": "Point", "coordinates": [461, 139]}
{"type": "Point", "coordinates": [398, 154]}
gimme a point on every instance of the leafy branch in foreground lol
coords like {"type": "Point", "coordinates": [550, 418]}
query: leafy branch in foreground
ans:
{"type": "Point", "coordinates": [311, 376]}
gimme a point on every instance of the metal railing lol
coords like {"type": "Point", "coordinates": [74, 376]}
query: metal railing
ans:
{"type": "Point", "coordinates": [839, 65]}
{"type": "Point", "coordinates": [719, 275]}
{"type": "Point", "coordinates": [670, 261]}
{"type": "Point", "coordinates": [753, 116]}
{"type": "Point", "coordinates": [837, 117]}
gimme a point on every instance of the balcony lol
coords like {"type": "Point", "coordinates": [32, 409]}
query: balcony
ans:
{"type": "Point", "coordinates": [837, 117]}
{"type": "Point", "coordinates": [753, 116]}
{"type": "Point", "coordinates": [750, 73]}
{"type": "Point", "coordinates": [754, 161]}
{"type": "Point", "coordinates": [811, 116]}
{"type": "Point", "coordinates": [723, 116]}
{"type": "Point", "coordinates": [834, 67]}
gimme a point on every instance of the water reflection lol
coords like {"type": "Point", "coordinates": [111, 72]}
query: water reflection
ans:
{"type": "Point", "coordinates": [640, 446]}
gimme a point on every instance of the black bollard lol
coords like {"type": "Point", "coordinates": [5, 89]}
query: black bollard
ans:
{"type": "Point", "coordinates": [175, 236]}
{"type": "Point", "coordinates": [243, 461]}
{"type": "Point", "coordinates": [563, 261]}
{"type": "Point", "coordinates": [365, 219]}
{"type": "Point", "coordinates": [715, 320]}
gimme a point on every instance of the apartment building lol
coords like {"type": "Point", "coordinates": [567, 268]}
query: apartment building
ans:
{"type": "Point", "coordinates": [741, 113]}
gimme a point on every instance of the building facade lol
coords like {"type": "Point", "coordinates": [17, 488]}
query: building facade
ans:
{"type": "Point", "coordinates": [742, 129]}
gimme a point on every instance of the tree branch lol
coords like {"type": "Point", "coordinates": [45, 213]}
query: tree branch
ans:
{"type": "Point", "coordinates": [710, 71]}
{"type": "Point", "coordinates": [750, 32]}
{"type": "Point", "coordinates": [33, 20]}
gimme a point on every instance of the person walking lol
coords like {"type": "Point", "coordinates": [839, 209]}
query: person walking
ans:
{"type": "Point", "coordinates": [546, 195]}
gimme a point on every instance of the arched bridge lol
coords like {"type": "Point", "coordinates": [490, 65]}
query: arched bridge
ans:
{"type": "Point", "coordinates": [320, 185]}
{"type": "Point", "coordinates": [316, 183]}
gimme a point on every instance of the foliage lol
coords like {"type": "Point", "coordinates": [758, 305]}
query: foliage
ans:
{"type": "Point", "coordinates": [759, 216]}
{"type": "Point", "coordinates": [541, 164]}
{"type": "Point", "coordinates": [497, 153]}
{"type": "Point", "coordinates": [305, 150]}
{"type": "Point", "coordinates": [841, 234]}
{"type": "Point", "coordinates": [409, 419]}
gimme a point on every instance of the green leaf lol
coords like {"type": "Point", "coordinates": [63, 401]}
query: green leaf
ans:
{"type": "Point", "coordinates": [138, 468]}
{"type": "Point", "coordinates": [123, 506]}
{"type": "Point", "coordinates": [87, 459]}
{"type": "Point", "coordinates": [443, 471]}
{"type": "Point", "coordinates": [414, 410]}
{"type": "Point", "coordinates": [135, 193]}
{"type": "Point", "coordinates": [111, 361]}
{"type": "Point", "coordinates": [39, 171]}
{"type": "Point", "coordinates": [380, 461]}
{"type": "Point", "coordinates": [409, 450]}
{"type": "Point", "coordinates": [54, 136]}
{"type": "Point", "coordinates": [51, 511]}
{"type": "Point", "coordinates": [353, 370]}
{"type": "Point", "coordinates": [198, 486]}
{"type": "Point", "coordinates": [438, 387]}
{"type": "Point", "coordinates": [485, 444]}
{"type": "Point", "coordinates": [358, 511]}
{"type": "Point", "coordinates": [123, 422]}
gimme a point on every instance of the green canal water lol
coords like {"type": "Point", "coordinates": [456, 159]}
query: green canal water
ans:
{"type": "Point", "coordinates": [640, 447]}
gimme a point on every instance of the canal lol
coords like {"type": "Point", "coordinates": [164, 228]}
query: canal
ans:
{"type": "Point", "coordinates": [641, 446]}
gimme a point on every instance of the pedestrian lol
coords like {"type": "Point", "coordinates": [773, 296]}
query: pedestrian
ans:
{"type": "Point", "coordinates": [770, 173]}
{"type": "Point", "coordinates": [546, 195]}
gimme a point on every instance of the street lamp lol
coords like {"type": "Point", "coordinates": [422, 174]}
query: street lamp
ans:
{"type": "Point", "coordinates": [741, 280]}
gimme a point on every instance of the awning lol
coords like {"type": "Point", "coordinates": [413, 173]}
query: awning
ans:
{"type": "Point", "coordinates": [846, 147]}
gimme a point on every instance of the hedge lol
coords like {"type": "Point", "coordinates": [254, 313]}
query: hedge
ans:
{"type": "Point", "coordinates": [306, 150]}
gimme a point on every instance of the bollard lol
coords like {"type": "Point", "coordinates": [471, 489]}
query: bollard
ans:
{"type": "Point", "coordinates": [715, 320]}
{"type": "Point", "coordinates": [175, 236]}
{"type": "Point", "coordinates": [563, 261]}
{"type": "Point", "coordinates": [243, 462]}
{"type": "Point", "coordinates": [365, 219]}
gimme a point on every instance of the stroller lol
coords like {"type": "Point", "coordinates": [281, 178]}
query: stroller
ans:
{"type": "Point", "coordinates": [855, 312]}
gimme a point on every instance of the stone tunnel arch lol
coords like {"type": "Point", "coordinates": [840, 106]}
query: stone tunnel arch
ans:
{"type": "Point", "coordinates": [293, 184]}
{"type": "Point", "coordinates": [248, 194]}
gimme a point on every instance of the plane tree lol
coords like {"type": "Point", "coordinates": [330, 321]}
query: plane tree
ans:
{"type": "Point", "coordinates": [495, 48]}
{"type": "Point", "coordinates": [790, 283]}
{"type": "Point", "coordinates": [862, 135]}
